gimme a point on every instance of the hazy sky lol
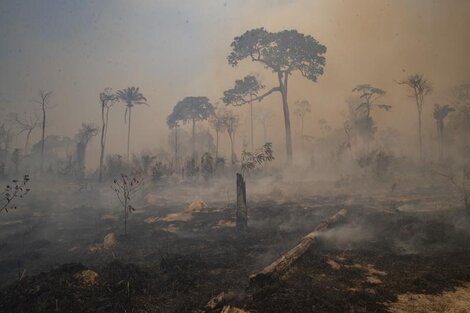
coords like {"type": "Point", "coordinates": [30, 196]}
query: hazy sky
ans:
{"type": "Point", "coordinates": [172, 49]}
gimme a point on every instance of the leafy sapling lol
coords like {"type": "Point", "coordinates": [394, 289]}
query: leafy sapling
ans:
{"type": "Point", "coordinates": [126, 187]}
{"type": "Point", "coordinates": [262, 156]}
{"type": "Point", "coordinates": [17, 189]}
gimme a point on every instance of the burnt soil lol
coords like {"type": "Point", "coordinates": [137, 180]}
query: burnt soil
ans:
{"type": "Point", "coordinates": [157, 268]}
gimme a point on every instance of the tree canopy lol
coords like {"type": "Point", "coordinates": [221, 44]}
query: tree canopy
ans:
{"type": "Point", "coordinates": [245, 90]}
{"type": "Point", "coordinates": [190, 109]}
{"type": "Point", "coordinates": [284, 51]}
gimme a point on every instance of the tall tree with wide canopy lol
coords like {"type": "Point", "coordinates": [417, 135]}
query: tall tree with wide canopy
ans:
{"type": "Point", "coordinates": [245, 91]}
{"type": "Point", "coordinates": [131, 96]}
{"type": "Point", "coordinates": [283, 53]}
{"type": "Point", "coordinates": [107, 99]}
{"type": "Point", "coordinates": [440, 113]}
{"type": "Point", "coordinates": [191, 109]}
{"type": "Point", "coordinates": [419, 87]}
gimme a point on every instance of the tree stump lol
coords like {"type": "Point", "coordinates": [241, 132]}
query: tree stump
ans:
{"type": "Point", "coordinates": [242, 211]}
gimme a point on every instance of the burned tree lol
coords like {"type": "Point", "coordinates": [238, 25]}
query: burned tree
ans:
{"type": "Point", "coordinates": [44, 101]}
{"type": "Point", "coordinates": [191, 109]}
{"type": "Point", "coordinates": [131, 96]}
{"type": "Point", "coordinates": [440, 113]}
{"type": "Point", "coordinates": [107, 99]}
{"type": "Point", "coordinates": [244, 92]}
{"type": "Point", "coordinates": [125, 188]}
{"type": "Point", "coordinates": [420, 87]}
{"type": "Point", "coordinates": [283, 53]}
{"type": "Point", "coordinates": [27, 124]}
{"type": "Point", "coordinates": [17, 189]}
{"type": "Point", "coordinates": [85, 134]}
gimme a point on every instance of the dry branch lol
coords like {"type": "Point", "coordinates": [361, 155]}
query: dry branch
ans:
{"type": "Point", "coordinates": [282, 264]}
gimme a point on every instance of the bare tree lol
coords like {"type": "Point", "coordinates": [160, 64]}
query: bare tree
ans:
{"type": "Point", "coordinates": [107, 99]}
{"type": "Point", "coordinates": [44, 101]}
{"type": "Point", "coordinates": [126, 188]}
{"type": "Point", "coordinates": [27, 124]}
{"type": "Point", "coordinates": [420, 87]}
{"type": "Point", "coordinates": [440, 113]}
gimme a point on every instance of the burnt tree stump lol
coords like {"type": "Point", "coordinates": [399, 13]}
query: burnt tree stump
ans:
{"type": "Point", "coordinates": [242, 210]}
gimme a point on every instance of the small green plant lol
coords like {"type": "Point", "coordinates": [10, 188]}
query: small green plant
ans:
{"type": "Point", "coordinates": [17, 189]}
{"type": "Point", "coordinates": [126, 187]}
{"type": "Point", "coordinates": [260, 157]}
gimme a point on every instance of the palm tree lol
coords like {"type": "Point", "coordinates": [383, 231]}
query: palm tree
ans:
{"type": "Point", "coordinates": [131, 97]}
{"type": "Point", "coordinates": [107, 99]}
{"type": "Point", "coordinates": [440, 113]}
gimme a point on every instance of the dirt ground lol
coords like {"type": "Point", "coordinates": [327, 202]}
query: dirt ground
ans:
{"type": "Point", "coordinates": [400, 251]}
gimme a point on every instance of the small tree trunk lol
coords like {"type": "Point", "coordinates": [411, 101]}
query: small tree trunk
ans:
{"type": "Point", "coordinates": [194, 138]}
{"type": "Point", "coordinates": [216, 145]}
{"type": "Point", "coordinates": [251, 116]}
{"type": "Point", "coordinates": [129, 138]}
{"type": "Point", "coordinates": [420, 138]}
{"type": "Point", "coordinates": [242, 211]}
{"type": "Point", "coordinates": [103, 128]}
{"type": "Point", "coordinates": [43, 135]}
{"type": "Point", "coordinates": [26, 145]}
{"type": "Point", "coordinates": [176, 148]}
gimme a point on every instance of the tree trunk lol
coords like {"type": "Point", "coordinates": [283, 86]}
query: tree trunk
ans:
{"type": "Point", "coordinates": [43, 135]}
{"type": "Point", "coordinates": [242, 211]}
{"type": "Point", "coordinates": [103, 128]}
{"type": "Point", "coordinates": [194, 138]}
{"type": "Point", "coordinates": [232, 148]}
{"type": "Point", "coordinates": [251, 117]}
{"type": "Point", "coordinates": [216, 145]}
{"type": "Point", "coordinates": [285, 108]}
{"type": "Point", "coordinates": [420, 138]}
{"type": "Point", "coordinates": [302, 131]}
{"type": "Point", "coordinates": [129, 138]}
{"type": "Point", "coordinates": [276, 269]}
{"type": "Point", "coordinates": [26, 145]}
{"type": "Point", "coordinates": [176, 148]}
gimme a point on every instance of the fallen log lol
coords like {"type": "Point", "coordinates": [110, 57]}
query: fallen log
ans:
{"type": "Point", "coordinates": [276, 269]}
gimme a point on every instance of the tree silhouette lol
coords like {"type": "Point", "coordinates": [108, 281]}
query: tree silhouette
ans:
{"type": "Point", "coordinates": [244, 92]}
{"type": "Point", "coordinates": [302, 108]}
{"type": "Point", "coordinates": [174, 125]}
{"type": "Point", "coordinates": [283, 53]}
{"type": "Point", "coordinates": [440, 113]}
{"type": "Point", "coordinates": [369, 95]}
{"type": "Point", "coordinates": [83, 137]}
{"type": "Point", "coordinates": [419, 87]}
{"type": "Point", "coordinates": [131, 96]}
{"type": "Point", "coordinates": [217, 122]}
{"type": "Point", "coordinates": [44, 101]}
{"type": "Point", "coordinates": [230, 121]}
{"type": "Point", "coordinates": [27, 124]}
{"type": "Point", "coordinates": [107, 99]}
{"type": "Point", "coordinates": [191, 109]}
